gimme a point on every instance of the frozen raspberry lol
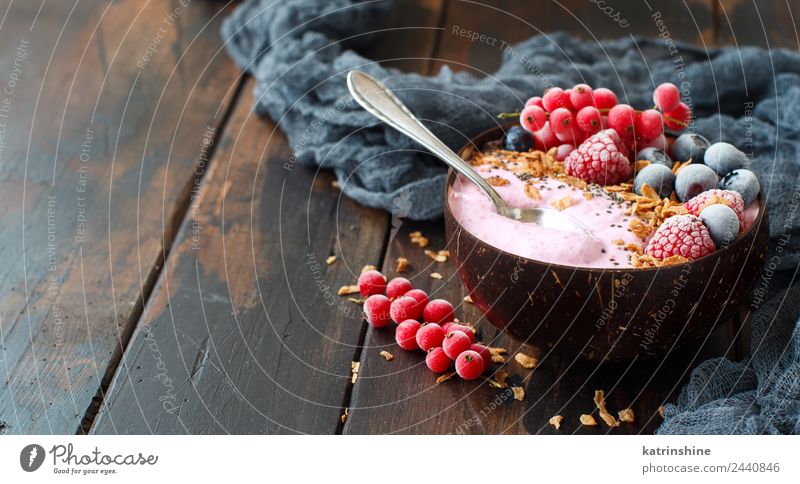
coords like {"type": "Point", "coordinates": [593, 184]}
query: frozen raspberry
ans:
{"type": "Point", "coordinates": [455, 343]}
{"type": "Point", "coordinates": [589, 120]}
{"type": "Point", "coordinates": [561, 120]}
{"type": "Point", "coordinates": [649, 124]}
{"type": "Point", "coordinates": [469, 365]}
{"type": "Point", "coordinates": [563, 151]}
{"type": "Point", "coordinates": [429, 336]}
{"type": "Point", "coordinates": [545, 138]}
{"type": "Point", "coordinates": [398, 287]}
{"type": "Point", "coordinates": [600, 159]}
{"type": "Point", "coordinates": [622, 119]}
{"type": "Point", "coordinates": [437, 360]}
{"type": "Point", "coordinates": [604, 98]}
{"type": "Point", "coordinates": [678, 118]}
{"type": "Point", "coordinates": [534, 101]}
{"type": "Point", "coordinates": [371, 282]}
{"type": "Point", "coordinates": [532, 118]}
{"type": "Point", "coordinates": [376, 309]}
{"type": "Point", "coordinates": [406, 334]}
{"type": "Point", "coordinates": [580, 96]}
{"type": "Point", "coordinates": [420, 296]}
{"type": "Point", "coordinates": [438, 311]}
{"type": "Point", "coordinates": [485, 354]}
{"type": "Point", "coordinates": [696, 204]}
{"type": "Point", "coordinates": [405, 307]}
{"type": "Point", "coordinates": [684, 235]}
{"type": "Point", "coordinates": [666, 97]}
{"type": "Point", "coordinates": [555, 98]}
{"type": "Point", "coordinates": [464, 329]}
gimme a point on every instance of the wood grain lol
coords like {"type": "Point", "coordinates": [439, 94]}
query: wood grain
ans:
{"type": "Point", "coordinates": [102, 137]}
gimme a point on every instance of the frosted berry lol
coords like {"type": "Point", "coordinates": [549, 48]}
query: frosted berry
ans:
{"type": "Point", "coordinates": [561, 120]}
{"type": "Point", "coordinates": [455, 343]}
{"type": "Point", "coordinates": [722, 223]}
{"type": "Point", "coordinates": [649, 124]}
{"type": "Point", "coordinates": [430, 336]}
{"type": "Point", "coordinates": [589, 120]}
{"type": "Point", "coordinates": [398, 287]}
{"type": "Point", "coordinates": [376, 309]}
{"type": "Point", "coordinates": [600, 159]}
{"type": "Point", "coordinates": [406, 334]}
{"type": "Point", "coordinates": [419, 295]}
{"type": "Point", "coordinates": [690, 146]}
{"type": "Point", "coordinates": [684, 235]}
{"type": "Point", "coordinates": [545, 138]}
{"type": "Point", "coordinates": [464, 329]}
{"type": "Point", "coordinates": [563, 151]}
{"type": "Point", "coordinates": [666, 97]}
{"type": "Point", "coordinates": [405, 307]}
{"type": "Point", "coordinates": [580, 96]}
{"type": "Point", "coordinates": [437, 361]}
{"type": "Point", "coordinates": [371, 282]}
{"type": "Point", "coordinates": [659, 142]}
{"type": "Point", "coordinates": [532, 118]}
{"type": "Point", "coordinates": [692, 180]}
{"type": "Point", "coordinates": [678, 118]}
{"type": "Point", "coordinates": [446, 326]}
{"type": "Point", "coordinates": [534, 101]}
{"type": "Point", "coordinates": [723, 158]}
{"type": "Point", "coordinates": [743, 182]}
{"type": "Point", "coordinates": [622, 119]}
{"type": "Point", "coordinates": [555, 98]}
{"type": "Point", "coordinates": [469, 365]}
{"type": "Point", "coordinates": [712, 197]}
{"type": "Point", "coordinates": [485, 354]}
{"type": "Point", "coordinates": [604, 98]}
{"type": "Point", "coordinates": [658, 177]}
{"type": "Point", "coordinates": [438, 311]}
{"type": "Point", "coordinates": [655, 155]}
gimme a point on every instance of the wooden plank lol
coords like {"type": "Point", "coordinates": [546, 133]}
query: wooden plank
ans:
{"type": "Point", "coordinates": [98, 154]}
{"type": "Point", "coordinates": [516, 20]}
{"type": "Point", "coordinates": [765, 24]}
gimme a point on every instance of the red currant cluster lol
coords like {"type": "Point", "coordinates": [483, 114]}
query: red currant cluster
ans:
{"type": "Point", "coordinates": [443, 339]}
{"type": "Point", "coordinates": [568, 117]}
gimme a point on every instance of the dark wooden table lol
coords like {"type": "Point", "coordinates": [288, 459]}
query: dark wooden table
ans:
{"type": "Point", "coordinates": [163, 272]}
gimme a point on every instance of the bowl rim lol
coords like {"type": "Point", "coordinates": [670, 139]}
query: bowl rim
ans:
{"type": "Point", "coordinates": [473, 144]}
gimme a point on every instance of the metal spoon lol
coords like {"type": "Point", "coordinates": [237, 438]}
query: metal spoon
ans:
{"type": "Point", "coordinates": [378, 100]}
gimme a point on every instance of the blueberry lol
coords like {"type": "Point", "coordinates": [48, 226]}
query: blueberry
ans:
{"type": "Point", "coordinates": [690, 146]}
{"type": "Point", "coordinates": [693, 180]}
{"type": "Point", "coordinates": [723, 158]}
{"type": "Point", "coordinates": [655, 155]}
{"type": "Point", "coordinates": [659, 177]}
{"type": "Point", "coordinates": [743, 182]}
{"type": "Point", "coordinates": [518, 139]}
{"type": "Point", "coordinates": [722, 223]}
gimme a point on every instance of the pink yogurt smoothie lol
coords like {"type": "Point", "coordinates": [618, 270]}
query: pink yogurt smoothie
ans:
{"type": "Point", "coordinates": [604, 214]}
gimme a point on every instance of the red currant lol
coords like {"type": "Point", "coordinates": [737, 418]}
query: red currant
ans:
{"type": "Point", "coordinates": [454, 343]}
{"type": "Point", "coordinates": [398, 287]}
{"type": "Point", "coordinates": [555, 98]}
{"type": "Point", "coordinates": [406, 334]}
{"type": "Point", "coordinates": [667, 97]}
{"type": "Point", "coordinates": [403, 308]}
{"type": "Point", "coordinates": [430, 336]}
{"type": "Point", "coordinates": [438, 311]}
{"type": "Point", "coordinates": [561, 120]}
{"type": "Point", "coordinates": [532, 118]}
{"type": "Point", "coordinates": [589, 120]}
{"type": "Point", "coordinates": [682, 114]}
{"type": "Point", "coordinates": [469, 365]}
{"type": "Point", "coordinates": [437, 360]}
{"type": "Point", "coordinates": [371, 282]}
{"type": "Point", "coordinates": [545, 138]}
{"type": "Point", "coordinates": [580, 96]}
{"type": "Point", "coordinates": [649, 124]}
{"type": "Point", "coordinates": [376, 309]}
{"type": "Point", "coordinates": [604, 98]}
{"type": "Point", "coordinates": [622, 119]}
{"type": "Point", "coordinates": [485, 354]}
{"type": "Point", "coordinates": [534, 101]}
{"type": "Point", "coordinates": [464, 329]}
{"type": "Point", "coordinates": [419, 295]}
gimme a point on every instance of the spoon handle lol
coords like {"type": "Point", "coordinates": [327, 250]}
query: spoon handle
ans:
{"type": "Point", "coordinates": [383, 104]}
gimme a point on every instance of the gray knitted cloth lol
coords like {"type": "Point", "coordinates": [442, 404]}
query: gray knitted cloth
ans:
{"type": "Point", "coordinates": [299, 52]}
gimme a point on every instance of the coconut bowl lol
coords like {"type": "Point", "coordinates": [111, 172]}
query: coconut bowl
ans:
{"type": "Point", "coordinates": [605, 314]}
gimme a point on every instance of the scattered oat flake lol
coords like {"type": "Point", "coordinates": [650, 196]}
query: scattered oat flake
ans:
{"type": "Point", "coordinates": [402, 264]}
{"type": "Point", "coordinates": [661, 411]}
{"type": "Point", "coordinates": [386, 355]}
{"type": "Point", "coordinates": [356, 300]}
{"type": "Point", "coordinates": [347, 290]}
{"type": "Point", "coordinates": [468, 299]}
{"type": "Point", "coordinates": [445, 377]}
{"type": "Point", "coordinates": [440, 256]}
{"type": "Point", "coordinates": [436, 275]}
{"type": "Point", "coordinates": [600, 402]}
{"type": "Point", "coordinates": [556, 420]}
{"type": "Point", "coordinates": [626, 415]}
{"type": "Point", "coordinates": [519, 393]}
{"type": "Point", "coordinates": [500, 378]}
{"type": "Point", "coordinates": [497, 181]}
{"type": "Point", "coordinates": [588, 420]}
{"type": "Point", "coordinates": [562, 203]}
{"type": "Point", "coordinates": [498, 359]}
{"type": "Point", "coordinates": [418, 239]}
{"type": "Point", "coordinates": [368, 267]}
{"type": "Point", "coordinates": [330, 260]}
{"type": "Point", "coordinates": [354, 367]}
{"type": "Point", "coordinates": [345, 414]}
{"type": "Point", "coordinates": [526, 361]}
{"type": "Point", "coordinates": [497, 351]}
